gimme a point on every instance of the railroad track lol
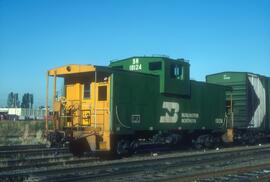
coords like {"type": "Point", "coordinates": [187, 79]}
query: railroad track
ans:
{"type": "Point", "coordinates": [28, 157]}
{"type": "Point", "coordinates": [23, 156]}
{"type": "Point", "coordinates": [20, 147]}
{"type": "Point", "coordinates": [152, 168]}
{"type": "Point", "coordinates": [17, 164]}
{"type": "Point", "coordinates": [26, 152]}
{"type": "Point", "coordinates": [258, 172]}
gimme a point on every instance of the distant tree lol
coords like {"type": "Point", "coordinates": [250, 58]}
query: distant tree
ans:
{"type": "Point", "coordinates": [16, 100]}
{"type": "Point", "coordinates": [13, 100]}
{"type": "Point", "coordinates": [31, 100]}
{"type": "Point", "coordinates": [27, 100]}
{"type": "Point", "coordinates": [10, 99]}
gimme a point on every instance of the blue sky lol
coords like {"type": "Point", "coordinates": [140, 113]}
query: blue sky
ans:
{"type": "Point", "coordinates": [215, 35]}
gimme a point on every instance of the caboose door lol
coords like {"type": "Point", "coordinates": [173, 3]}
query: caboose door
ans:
{"type": "Point", "coordinates": [95, 103]}
{"type": "Point", "coordinates": [101, 104]}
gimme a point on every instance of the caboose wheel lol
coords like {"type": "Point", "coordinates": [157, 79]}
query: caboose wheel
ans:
{"type": "Point", "coordinates": [123, 147]}
{"type": "Point", "coordinates": [197, 146]}
{"type": "Point", "coordinates": [134, 145]}
{"type": "Point", "coordinates": [209, 141]}
{"type": "Point", "coordinates": [55, 139]}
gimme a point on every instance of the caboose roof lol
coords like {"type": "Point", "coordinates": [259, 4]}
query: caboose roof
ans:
{"type": "Point", "coordinates": [74, 69]}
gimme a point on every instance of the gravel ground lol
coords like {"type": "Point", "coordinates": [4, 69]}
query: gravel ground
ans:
{"type": "Point", "coordinates": [21, 132]}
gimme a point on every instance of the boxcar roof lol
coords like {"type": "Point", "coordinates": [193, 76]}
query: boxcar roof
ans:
{"type": "Point", "coordinates": [237, 72]}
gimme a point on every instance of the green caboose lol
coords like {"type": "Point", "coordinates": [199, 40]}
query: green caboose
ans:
{"type": "Point", "coordinates": [138, 101]}
{"type": "Point", "coordinates": [160, 98]}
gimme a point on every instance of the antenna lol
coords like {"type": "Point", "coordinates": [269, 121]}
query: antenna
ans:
{"type": "Point", "coordinates": [160, 55]}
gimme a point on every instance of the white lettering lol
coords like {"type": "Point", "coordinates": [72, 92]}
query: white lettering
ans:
{"type": "Point", "coordinates": [135, 65]}
{"type": "Point", "coordinates": [188, 120]}
{"type": "Point", "coordinates": [190, 115]}
{"type": "Point", "coordinates": [218, 120]}
{"type": "Point", "coordinates": [225, 77]}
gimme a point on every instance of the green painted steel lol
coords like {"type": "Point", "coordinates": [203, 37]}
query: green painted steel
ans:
{"type": "Point", "coordinates": [250, 97]}
{"type": "Point", "coordinates": [173, 74]}
{"type": "Point", "coordinates": [142, 101]}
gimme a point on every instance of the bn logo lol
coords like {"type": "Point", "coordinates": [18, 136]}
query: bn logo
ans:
{"type": "Point", "coordinates": [171, 112]}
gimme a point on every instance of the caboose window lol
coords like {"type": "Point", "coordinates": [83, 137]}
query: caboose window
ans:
{"type": "Point", "coordinates": [86, 91]}
{"type": "Point", "coordinates": [155, 66]}
{"type": "Point", "coordinates": [176, 71]}
{"type": "Point", "coordinates": [118, 67]}
{"type": "Point", "coordinates": [102, 93]}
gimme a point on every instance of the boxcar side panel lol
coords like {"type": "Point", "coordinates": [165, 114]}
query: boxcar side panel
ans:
{"type": "Point", "coordinates": [250, 98]}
